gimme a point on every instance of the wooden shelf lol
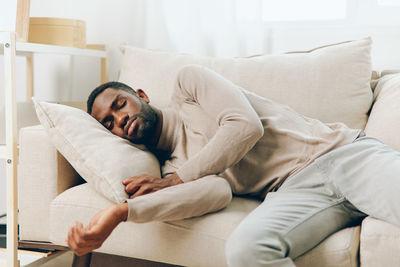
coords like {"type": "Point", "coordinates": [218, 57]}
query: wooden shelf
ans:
{"type": "Point", "coordinates": [26, 49]}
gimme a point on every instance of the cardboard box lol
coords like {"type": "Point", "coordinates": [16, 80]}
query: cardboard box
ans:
{"type": "Point", "coordinates": [57, 31]}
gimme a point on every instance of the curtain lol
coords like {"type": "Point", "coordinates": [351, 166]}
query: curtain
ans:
{"type": "Point", "coordinates": [207, 27]}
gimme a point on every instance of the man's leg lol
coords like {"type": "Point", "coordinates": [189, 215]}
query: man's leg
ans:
{"type": "Point", "coordinates": [367, 173]}
{"type": "Point", "coordinates": [303, 212]}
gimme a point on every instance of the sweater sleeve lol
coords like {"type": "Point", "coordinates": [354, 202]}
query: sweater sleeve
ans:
{"type": "Point", "coordinates": [239, 126]}
{"type": "Point", "coordinates": [181, 201]}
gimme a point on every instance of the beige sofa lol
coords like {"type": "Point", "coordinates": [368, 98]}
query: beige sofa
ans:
{"type": "Point", "coordinates": [52, 197]}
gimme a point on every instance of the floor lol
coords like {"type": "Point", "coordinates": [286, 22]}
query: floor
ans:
{"type": "Point", "coordinates": [28, 258]}
{"type": "Point", "coordinates": [31, 259]}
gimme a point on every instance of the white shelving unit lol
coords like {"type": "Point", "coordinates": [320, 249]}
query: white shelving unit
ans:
{"type": "Point", "coordinates": [27, 49]}
{"type": "Point", "coordinates": [10, 49]}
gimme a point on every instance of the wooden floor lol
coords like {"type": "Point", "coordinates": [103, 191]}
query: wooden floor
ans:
{"type": "Point", "coordinates": [67, 259]}
{"type": "Point", "coordinates": [47, 255]}
{"type": "Point", "coordinates": [32, 259]}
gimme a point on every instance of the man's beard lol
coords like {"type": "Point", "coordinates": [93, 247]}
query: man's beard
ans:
{"type": "Point", "coordinates": [149, 119]}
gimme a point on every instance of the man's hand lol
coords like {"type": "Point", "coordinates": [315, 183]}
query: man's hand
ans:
{"type": "Point", "coordinates": [83, 240]}
{"type": "Point", "coordinates": [145, 184]}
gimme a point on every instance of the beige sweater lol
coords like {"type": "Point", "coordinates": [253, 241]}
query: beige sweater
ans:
{"type": "Point", "coordinates": [230, 140]}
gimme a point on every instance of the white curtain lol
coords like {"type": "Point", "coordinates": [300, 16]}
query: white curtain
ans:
{"type": "Point", "coordinates": [207, 27]}
{"type": "Point", "coordinates": [230, 28]}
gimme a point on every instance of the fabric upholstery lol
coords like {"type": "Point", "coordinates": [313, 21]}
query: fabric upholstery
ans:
{"type": "Point", "coordinates": [101, 158]}
{"type": "Point", "coordinates": [184, 242]}
{"type": "Point", "coordinates": [37, 167]}
{"type": "Point", "coordinates": [384, 120]}
{"type": "Point", "coordinates": [379, 243]}
{"type": "Point", "coordinates": [339, 249]}
{"type": "Point", "coordinates": [331, 83]}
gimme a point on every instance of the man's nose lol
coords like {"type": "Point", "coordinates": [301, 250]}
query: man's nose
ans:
{"type": "Point", "coordinates": [121, 119]}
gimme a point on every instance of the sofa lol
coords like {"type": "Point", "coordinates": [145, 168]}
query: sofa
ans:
{"type": "Point", "coordinates": [331, 83]}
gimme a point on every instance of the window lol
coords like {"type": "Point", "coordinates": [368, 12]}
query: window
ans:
{"type": "Point", "coordinates": [295, 10]}
{"type": "Point", "coordinates": [291, 10]}
{"type": "Point", "coordinates": [389, 2]}
{"type": "Point", "coordinates": [318, 12]}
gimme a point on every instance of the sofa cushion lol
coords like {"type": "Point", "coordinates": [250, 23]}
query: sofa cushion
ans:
{"type": "Point", "coordinates": [184, 242]}
{"type": "Point", "coordinates": [330, 83]}
{"type": "Point", "coordinates": [101, 158]}
{"type": "Point", "coordinates": [384, 120]}
{"type": "Point", "coordinates": [339, 249]}
{"type": "Point", "coordinates": [379, 243]}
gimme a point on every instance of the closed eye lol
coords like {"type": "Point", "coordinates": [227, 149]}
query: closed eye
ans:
{"type": "Point", "coordinates": [109, 124]}
{"type": "Point", "coordinates": [119, 102]}
{"type": "Point", "coordinates": [123, 104]}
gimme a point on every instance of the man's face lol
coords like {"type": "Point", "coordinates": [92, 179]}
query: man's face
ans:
{"type": "Point", "coordinates": [125, 115]}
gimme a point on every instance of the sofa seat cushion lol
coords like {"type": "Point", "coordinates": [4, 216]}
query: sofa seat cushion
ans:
{"type": "Point", "coordinates": [379, 243]}
{"type": "Point", "coordinates": [339, 249]}
{"type": "Point", "coordinates": [192, 242]}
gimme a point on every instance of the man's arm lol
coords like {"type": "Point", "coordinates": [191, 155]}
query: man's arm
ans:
{"type": "Point", "coordinates": [186, 200]}
{"type": "Point", "coordinates": [145, 184]}
{"type": "Point", "coordinates": [83, 240]}
{"type": "Point", "coordinates": [239, 126]}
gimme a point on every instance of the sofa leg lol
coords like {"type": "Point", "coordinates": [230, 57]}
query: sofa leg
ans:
{"type": "Point", "coordinates": [82, 261]}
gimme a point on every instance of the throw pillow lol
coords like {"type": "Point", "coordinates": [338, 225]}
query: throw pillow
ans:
{"type": "Point", "coordinates": [101, 158]}
{"type": "Point", "coordinates": [330, 83]}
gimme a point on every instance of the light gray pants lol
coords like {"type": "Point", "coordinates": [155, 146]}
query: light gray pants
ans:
{"type": "Point", "coordinates": [335, 191]}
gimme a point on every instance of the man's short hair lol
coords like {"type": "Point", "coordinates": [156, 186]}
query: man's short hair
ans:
{"type": "Point", "coordinates": [99, 89]}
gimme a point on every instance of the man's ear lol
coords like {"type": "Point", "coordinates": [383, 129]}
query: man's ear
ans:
{"type": "Point", "coordinates": [141, 94]}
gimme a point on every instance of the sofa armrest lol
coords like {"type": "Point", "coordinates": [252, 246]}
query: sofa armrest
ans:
{"type": "Point", "coordinates": [379, 243]}
{"type": "Point", "coordinates": [43, 173]}
{"type": "Point", "coordinates": [383, 122]}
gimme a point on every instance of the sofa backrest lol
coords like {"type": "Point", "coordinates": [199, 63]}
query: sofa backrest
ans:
{"type": "Point", "coordinates": [330, 83]}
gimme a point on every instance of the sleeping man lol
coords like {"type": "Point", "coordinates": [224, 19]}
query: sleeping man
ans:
{"type": "Point", "coordinates": [314, 178]}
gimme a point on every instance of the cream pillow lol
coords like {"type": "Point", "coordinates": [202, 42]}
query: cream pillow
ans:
{"type": "Point", "coordinates": [101, 158]}
{"type": "Point", "coordinates": [330, 83]}
{"type": "Point", "coordinates": [384, 120]}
